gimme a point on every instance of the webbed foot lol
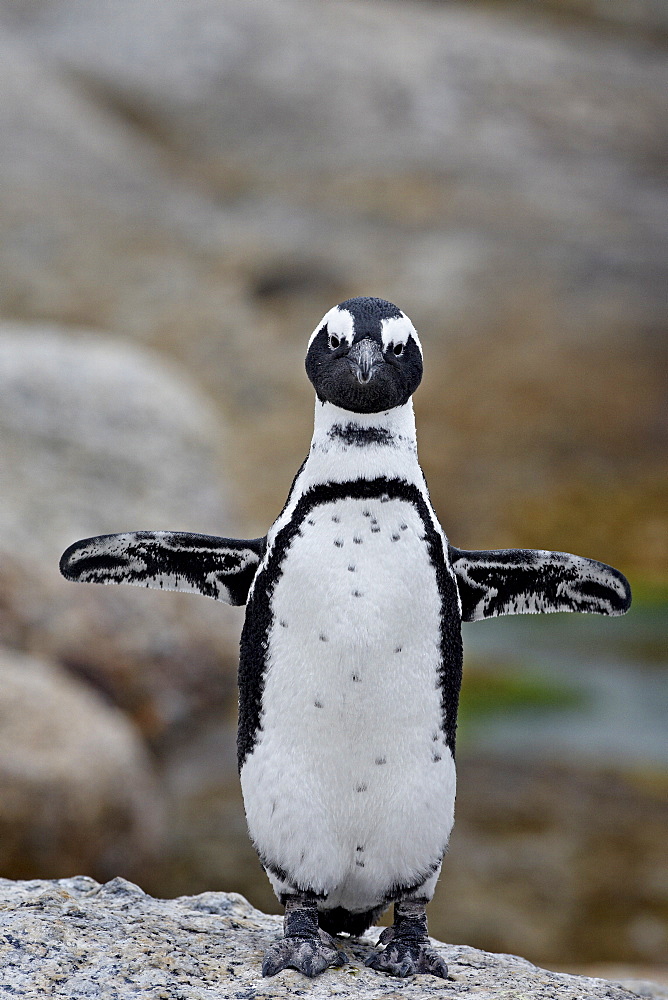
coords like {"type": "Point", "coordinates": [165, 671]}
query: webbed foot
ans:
{"type": "Point", "coordinates": [306, 954]}
{"type": "Point", "coordinates": [407, 951]}
{"type": "Point", "coordinates": [305, 947]}
{"type": "Point", "coordinates": [408, 958]}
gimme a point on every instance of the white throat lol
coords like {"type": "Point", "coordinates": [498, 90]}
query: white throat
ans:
{"type": "Point", "coordinates": [398, 422]}
{"type": "Point", "coordinates": [347, 445]}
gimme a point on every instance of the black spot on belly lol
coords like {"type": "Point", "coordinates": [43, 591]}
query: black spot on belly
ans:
{"type": "Point", "coordinates": [380, 760]}
{"type": "Point", "coordinates": [318, 704]}
{"type": "Point", "coordinates": [375, 530]}
{"type": "Point", "coordinates": [351, 569]}
{"type": "Point", "coordinates": [357, 593]}
{"type": "Point", "coordinates": [360, 847]}
{"type": "Point", "coordinates": [356, 677]}
{"type": "Point", "coordinates": [366, 513]}
{"type": "Point", "coordinates": [283, 623]}
{"type": "Point", "coordinates": [338, 542]}
{"type": "Point", "coordinates": [336, 519]}
{"type": "Point", "coordinates": [395, 538]}
{"type": "Point", "coordinates": [361, 788]}
{"type": "Point", "coordinates": [436, 758]}
{"type": "Point", "coordinates": [323, 638]}
{"type": "Point", "coordinates": [360, 864]}
{"type": "Point", "coordinates": [397, 649]}
{"type": "Point", "coordinates": [310, 521]}
{"type": "Point", "coordinates": [259, 619]}
{"type": "Point", "coordinates": [435, 737]}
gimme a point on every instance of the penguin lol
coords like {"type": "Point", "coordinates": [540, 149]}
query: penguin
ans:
{"type": "Point", "coordinates": [351, 653]}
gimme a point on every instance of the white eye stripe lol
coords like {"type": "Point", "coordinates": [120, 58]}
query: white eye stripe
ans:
{"type": "Point", "coordinates": [397, 330]}
{"type": "Point", "coordinates": [339, 324]}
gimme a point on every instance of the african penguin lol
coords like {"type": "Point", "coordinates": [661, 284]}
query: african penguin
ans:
{"type": "Point", "coordinates": [351, 653]}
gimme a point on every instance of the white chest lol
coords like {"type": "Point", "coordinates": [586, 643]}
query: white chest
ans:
{"type": "Point", "coordinates": [355, 639]}
{"type": "Point", "coordinates": [351, 752]}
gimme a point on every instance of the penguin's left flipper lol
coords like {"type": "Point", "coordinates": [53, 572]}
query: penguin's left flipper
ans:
{"type": "Point", "coordinates": [528, 581]}
{"type": "Point", "coordinates": [221, 568]}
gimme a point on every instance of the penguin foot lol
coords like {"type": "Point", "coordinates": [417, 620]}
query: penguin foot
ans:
{"type": "Point", "coordinates": [406, 950]}
{"type": "Point", "coordinates": [309, 955]}
{"type": "Point", "coordinates": [408, 958]}
{"type": "Point", "coordinates": [304, 947]}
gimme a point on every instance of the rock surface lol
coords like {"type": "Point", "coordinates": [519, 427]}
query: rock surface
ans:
{"type": "Point", "coordinates": [192, 174]}
{"type": "Point", "coordinates": [96, 436]}
{"type": "Point", "coordinates": [75, 938]}
{"type": "Point", "coordinates": [100, 435]}
{"type": "Point", "coordinates": [77, 788]}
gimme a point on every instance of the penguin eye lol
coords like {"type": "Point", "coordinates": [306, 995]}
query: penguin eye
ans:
{"type": "Point", "coordinates": [398, 349]}
{"type": "Point", "coordinates": [334, 342]}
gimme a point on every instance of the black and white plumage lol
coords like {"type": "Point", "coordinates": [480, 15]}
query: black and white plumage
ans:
{"type": "Point", "coordinates": [351, 655]}
{"type": "Point", "coordinates": [221, 568]}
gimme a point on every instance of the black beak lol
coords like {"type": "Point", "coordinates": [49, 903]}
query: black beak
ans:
{"type": "Point", "coordinates": [364, 357]}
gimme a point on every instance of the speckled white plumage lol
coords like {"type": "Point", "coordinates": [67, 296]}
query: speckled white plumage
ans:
{"type": "Point", "coordinates": [331, 460]}
{"type": "Point", "coordinates": [350, 786]}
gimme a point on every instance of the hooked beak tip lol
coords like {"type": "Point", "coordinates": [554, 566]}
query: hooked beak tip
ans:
{"type": "Point", "coordinates": [365, 358]}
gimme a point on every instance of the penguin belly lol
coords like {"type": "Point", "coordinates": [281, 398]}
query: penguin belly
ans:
{"type": "Point", "coordinates": [349, 789]}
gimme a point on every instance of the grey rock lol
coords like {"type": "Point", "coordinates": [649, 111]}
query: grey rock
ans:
{"type": "Point", "coordinates": [198, 177]}
{"type": "Point", "coordinates": [77, 789]}
{"type": "Point", "coordinates": [99, 436]}
{"type": "Point", "coordinates": [75, 938]}
{"type": "Point", "coordinates": [650, 16]}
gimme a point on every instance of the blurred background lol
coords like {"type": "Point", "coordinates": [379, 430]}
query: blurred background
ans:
{"type": "Point", "coordinates": [185, 189]}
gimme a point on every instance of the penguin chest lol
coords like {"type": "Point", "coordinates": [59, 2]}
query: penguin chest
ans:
{"type": "Point", "coordinates": [351, 781]}
{"type": "Point", "coordinates": [355, 640]}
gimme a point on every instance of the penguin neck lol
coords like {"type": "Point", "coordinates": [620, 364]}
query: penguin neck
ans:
{"type": "Point", "coordinates": [348, 446]}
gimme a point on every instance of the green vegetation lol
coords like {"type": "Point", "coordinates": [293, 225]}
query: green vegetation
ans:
{"type": "Point", "coordinates": [649, 592]}
{"type": "Point", "coordinates": [489, 690]}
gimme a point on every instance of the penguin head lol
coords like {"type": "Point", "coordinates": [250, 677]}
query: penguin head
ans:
{"type": "Point", "coordinates": [364, 356]}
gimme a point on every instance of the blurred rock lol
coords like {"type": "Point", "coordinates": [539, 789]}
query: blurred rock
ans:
{"type": "Point", "coordinates": [568, 861]}
{"type": "Point", "coordinates": [74, 938]}
{"type": "Point", "coordinates": [99, 436]}
{"type": "Point", "coordinates": [201, 178]}
{"type": "Point", "coordinates": [77, 791]}
{"type": "Point", "coordinates": [650, 16]}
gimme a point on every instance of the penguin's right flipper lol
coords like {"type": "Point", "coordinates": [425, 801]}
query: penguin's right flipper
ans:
{"type": "Point", "coordinates": [532, 581]}
{"type": "Point", "coordinates": [221, 568]}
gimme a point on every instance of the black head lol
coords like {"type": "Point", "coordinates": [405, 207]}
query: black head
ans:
{"type": "Point", "coordinates": [365, 356]}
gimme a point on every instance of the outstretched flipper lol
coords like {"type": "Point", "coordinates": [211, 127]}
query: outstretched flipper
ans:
{"type": "Point", "coordinates": [528, 581]}
{"type": "Point", "coordinates": [221, 568]}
